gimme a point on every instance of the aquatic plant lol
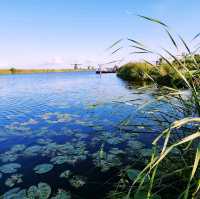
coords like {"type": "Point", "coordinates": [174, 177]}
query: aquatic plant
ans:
{"type": "Point", "coordinates": [8, 156]}
{"type": "Point", "coordinates": [32, 150]}
{"type": "Point", "coordinates": [173, 169]}
{"type": "Point", "coordinates": [66, 174]}
{"type": "Point", "coordinates": [59, 160]}
{"type": "Point", "coordinates": [42, 191]}
{"type": "Point", "coordinates": [62, 195]}
{"type": "Point", "coordinates": [10, 168]}
{"type": "Point", "coordinates": [12, 193]}
{"type": "Point", "coordinates": [13, 180]}
{"type": "Point", "coordinates": [54, 118]}
{"type": "Point", "coordinates": [107, 160]}
{"type": "Point", "coordinates": [18, 148]}
{"type": "Point", "coordinates": [77, 181]}
{"type": "Point", "coordinates": [43, 168]}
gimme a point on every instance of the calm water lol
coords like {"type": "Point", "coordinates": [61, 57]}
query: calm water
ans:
{"type": "Point", "coordinates": [69, 122]}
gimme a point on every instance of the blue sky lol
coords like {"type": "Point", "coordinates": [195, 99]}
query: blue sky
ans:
{"type": "Point", "coordinates": [57, 33]}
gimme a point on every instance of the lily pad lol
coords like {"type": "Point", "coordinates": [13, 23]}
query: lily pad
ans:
{"type": "Point", "coordinates": [33, 150]}
{"type": "Point", "coordinates": [136, 145]}
{"type": "Point", "coordinates": [13, 180]}
{"type": "Point", "coordinates": [77, 181]}
{"type": "Point", "coordinates": [42, 191]}
{"type": "Point", "coordinates": [10, 168]}
{"type": "Point", "coordinates": [18, 148]}
{"type": "Point", "coordinates": [43, 168]}
{"type": "Point", "coordinates": [66, 174]}
{"type": "Point", "coordinates": [59, 160]}
{"type": "Point", "coordinates": [132, 174]}
{"type": "Point", "coordinates": [11, 193]}
{"type": "Point", "coordinates": [8, 156]}
{"type": "Point", "coordinates": [146, 152]}
{"type": "Point", "coordinates": [62, 195]}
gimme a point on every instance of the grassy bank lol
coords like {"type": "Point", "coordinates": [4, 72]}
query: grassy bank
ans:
{"type": "Point", "coordinates": [161, 74]}
{"type": "Point", "coordinates": [31, 71]}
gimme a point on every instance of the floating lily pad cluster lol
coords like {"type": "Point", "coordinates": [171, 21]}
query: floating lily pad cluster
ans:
{"type": "Point", "coordinates": [106, 149]}
{"type": "Point", "coordinates": [53, 118]}
{"type": "Point", "coordinates": [66, 174]}
{"type": "Point", "coordinates": [10, 168]}
{"type": "Point", "coordinates": [41, 191]}
{"type": "Point", "coordinates": [12, 154]}
{"type": "Point", "coordinates": [107, 160]}
{"type": "Point", "coordinates": [13, 180]}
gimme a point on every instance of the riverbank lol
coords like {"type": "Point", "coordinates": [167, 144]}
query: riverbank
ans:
{"type": "Point", "coordinates": [31, 71]}
{"type": "Point", "coordinates": [166, 74]}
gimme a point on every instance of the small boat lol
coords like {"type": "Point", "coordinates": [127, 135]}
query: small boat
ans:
{"type": "Point", "coordinates": [104, 71]}
{"type": "Point", "coordinates": [107, 70]}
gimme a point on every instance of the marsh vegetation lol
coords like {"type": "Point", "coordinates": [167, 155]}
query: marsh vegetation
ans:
{"type": "Point", "coordinates": [173, 171]}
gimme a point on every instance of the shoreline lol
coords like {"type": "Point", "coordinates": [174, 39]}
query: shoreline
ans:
{"type": "Point", "coordinates": [33, 71]}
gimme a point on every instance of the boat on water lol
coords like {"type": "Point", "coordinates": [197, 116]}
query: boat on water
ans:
{"type": "Point", "coordinates": [106, 70]}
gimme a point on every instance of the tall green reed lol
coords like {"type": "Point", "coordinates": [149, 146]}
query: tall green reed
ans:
{"type": "Point", "coordinates": [165, 166]}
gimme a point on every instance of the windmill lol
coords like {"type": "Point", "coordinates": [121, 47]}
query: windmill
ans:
{"type": "Point", "coordinates": [76, 66]}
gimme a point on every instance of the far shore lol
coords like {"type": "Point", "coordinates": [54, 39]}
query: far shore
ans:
{"type": "Point", "coordinates": [31, 71]}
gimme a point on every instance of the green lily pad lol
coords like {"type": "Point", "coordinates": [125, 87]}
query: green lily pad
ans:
{"type": "Point", "coordinates": [66, 174]}
{"type": "Point", "coordinates": [136, 145]}
{"type": "Point", "coordinates": [62, 195]}
{"type": "Point", "coordinates": [18, 148]}
{"type": "Point", "coordinates": [42, 191]}
{"type": "Point", "coordinates": [8, 156]}
{"type": "Point", "coordinates": [146, 152]}
{"type": "Point", "coordinates": [77, 181]}
{"type": "Point", "coordinates": [33, 150]}
{"type": "Point", "coordinates": [132, 174]}
{"type": "Point", "coordinates": [43, 168]}
{"type": "Point", "coordinates": [13, 180]}
{"type": "Point", "coordinates": [10, 168]}
{"type": "Point", "coordinates": [59, 160]}
{"type": "Point", "coordinates": [11, 193]}
{"type": "Point", "coordinates": [32, 192]}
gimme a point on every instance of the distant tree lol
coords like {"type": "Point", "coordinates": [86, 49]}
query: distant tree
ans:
{"type": "Point", "coordinates": [13, 70]}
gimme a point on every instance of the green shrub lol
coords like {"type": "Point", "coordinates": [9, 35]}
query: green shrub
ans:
{"type": "Point", "coordinates": [136, 71]}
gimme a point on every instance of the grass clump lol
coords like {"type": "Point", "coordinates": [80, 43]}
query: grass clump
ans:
{"type": "Point", "coordinates": [136, 71]}
{"type": "Point", "coordinates": [162, 74]}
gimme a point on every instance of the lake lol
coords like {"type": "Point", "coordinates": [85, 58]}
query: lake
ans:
{"type": "Point", "coordinates": [69, 134]}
